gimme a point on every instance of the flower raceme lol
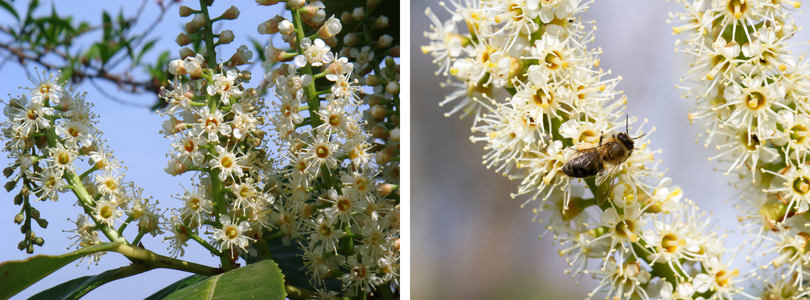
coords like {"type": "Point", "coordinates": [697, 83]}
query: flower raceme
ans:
{"type": "Point", "coordinates": [313, 167]}
{"type": "Point", "coordinates": [525, 71]}
{"type": "Point", "coordinates": [752, 94]}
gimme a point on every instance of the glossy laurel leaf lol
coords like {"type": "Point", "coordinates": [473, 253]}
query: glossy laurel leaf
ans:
{"type": "Point", "coordinates": [262, 280]}
{"type": "Point", "coordinates": [20, 274]}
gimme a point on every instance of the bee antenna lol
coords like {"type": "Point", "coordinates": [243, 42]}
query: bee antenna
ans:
{"type": "Point", "coordinates": [626, 123]}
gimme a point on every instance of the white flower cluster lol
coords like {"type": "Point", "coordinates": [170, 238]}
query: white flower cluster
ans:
{"type": "Point", "coordinates": [545, 110]}
{"type": "Point", "coordinates": [328, 182]}
{"type": "Point", "coordinates": [753, 96]}
{"type": "Point", "coordinates": [45, 135]}
{"type": "Point", "coordinates": [339, 151]}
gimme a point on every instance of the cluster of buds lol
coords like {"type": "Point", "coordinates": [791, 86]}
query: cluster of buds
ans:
{"type": "Point", "coordinates": [46, 135]}
{"type": "Point", "coordinates": [753, 98]}
{"type": "Point", "coordinates": [557, 131]}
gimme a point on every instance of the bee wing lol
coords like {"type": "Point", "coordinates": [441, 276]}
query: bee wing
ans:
{"type": "Point", "coordinates": [607, 173]}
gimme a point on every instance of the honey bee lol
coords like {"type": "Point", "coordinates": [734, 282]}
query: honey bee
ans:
{"type": "Point", "coordinates": [602, 161]}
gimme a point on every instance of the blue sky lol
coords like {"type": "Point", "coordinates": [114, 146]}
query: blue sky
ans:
{"type": "Point", "coordinates": [132, 133]}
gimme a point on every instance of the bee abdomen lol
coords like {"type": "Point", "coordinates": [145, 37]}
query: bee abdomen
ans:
{"type": "Point", "coordinates": [579, 167]}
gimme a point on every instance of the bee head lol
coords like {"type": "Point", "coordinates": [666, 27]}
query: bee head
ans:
{"type": "Point", "coordinates": [626, 140]}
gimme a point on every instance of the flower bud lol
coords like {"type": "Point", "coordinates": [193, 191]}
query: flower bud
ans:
{"type": "Point", "coordinates": [394, 52]}
{"type": "Point", "coordinates": [230, 14]}
{"type": "Point", "coordinates": [372, 4]}
{"type": "Point", "coordinates": [286, 27]}
{"type": "Point", "coordinates": [381, 23]}
{"type": "Point", "coordinates": [30, 249]}
{"type": "Point", "coordinates": [42, 223]}
{"type": "Point", "coordinates": [185, 11]}
{"type": "Point", "coordinates": [176, 67]}
{"type": "Point", "coordinates": [395, 134]}
{"type": "Point", "coordinates": [19, 218]}
{"type": "Point", "coordinates": [30, 235]}
{"type": "Point", "coordinates": [209, 2]}
{"type": "Point", "coordinates": [270, 26]}
{"type": "Point", "coordinates": [378, 112]}
{"type": "Point", "coordinates": [329, 29]}
{"type": "Point", "coordinates": [39, 241]}
{"type": "Point", "coordinates": [183, 39]}
{"type": "Point", "coordinates": [8, 171]}
{"type": "Point", "coordinates": [34, 213]}
{"type": "Point", "coordinates": [372, 80]}
{"type": "Point", "coordinates": [392, 88]}
{"type": "Point", "coordinates": [385, 189]}
{"type": "Point", "coordinates": [22, 245]}
{"type": "Point", "coordinates": [390, 63]}
{"type": "Point", "coordinates": [225, 37]}
{"type": "Point", "coordinates": [385, 41]}
{"type": "Point", "coordinates": [380, 131]}
{"type": "Point", "coordinates": [10, 185]}
{"type": "Point", "coordinates": [266, 2]}
{"type": "Point", "coordinates": [395, 119]}
{"type": "Point", "coordinates": [191, 28]}
{"type": "Point", "coordinates": [383, 158]}
{"type": "Point", "coordinates": [186, 52]}
{"type": "Point", "coordinates": [296, 3]}
{"type": "Point", "coordinates": [199, 20]}
{"type": "Point", "coordinates": [351, 39]}
{"type": "Point", "coordinates": [242, 56]}
{"type": "Point", "coordinates": [18, 199]}
{"type": "Point", "coordinates": [346, 17]}
{"type": "Point", "coordinates": [359, 13]}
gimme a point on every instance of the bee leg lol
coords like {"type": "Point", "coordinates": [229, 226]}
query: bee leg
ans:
{"type": "Point", "coordinates": [601, 135]}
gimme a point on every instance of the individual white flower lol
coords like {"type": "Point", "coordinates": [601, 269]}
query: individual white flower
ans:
{"type": "Point", "coordinates": [107, 211]}
{"type": "Point", "coordinates": [231, 235]}
{"type": "Point", "coordinates": [47, 89]}
{"type": "Point", "coordinates": [360, 276]}
{"type": "Point", "coordinates": [228, 164]}
{"type": "Point", "coordinates": [50, 183]}
{"type": "Point", "coordinates": [196, 207]}
{"type": "Point", "coordinates": [362, 56]}
{"type": "Point", "coordinates": [225, 85]}
{"type": "Point", "coordinates": [180, 237]}
{"type": "Point", "coordinates": [62, 157]}
{"type": "Point", "coordinates": [211, 124]}
{"type": "Point", "coordinates": [322, 151]}
{"type": "Point", "coordinates": [323, 231]}
{"type": "Point", "coordinates": [315, 53]}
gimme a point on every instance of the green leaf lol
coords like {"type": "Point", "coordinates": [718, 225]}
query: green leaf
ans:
{"type": "Point", "coordinates": [10, 9]}
{"type": "Point", "coordinates": [290, 261]}
{"type": "Point", "coordinates": [262, 280]}
{"type": "Point", "coordinates": [76, 288]}
{"type": "Point", "coordinates": [20, 274]}
{"type": "Point", "coordinates": [146, 47]}
{"type": "Point", "coordinates": [180, 284]}
{"type": "Point", "coordinates": [106, 22]}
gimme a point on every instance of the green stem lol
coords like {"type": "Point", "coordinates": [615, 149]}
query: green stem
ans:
{"type": "Point", "coordinates": [93, 168]}
{"type": "Point", "coordinates": [264, 250]}
{"type": "Point", "coordinates": [124, 226]}
{"type": "Point", "coordinates": [87, 203]}
{"type": "Point", "coordinates": [312, 94]}
{"type": "Point", "coordinates": [294, 292]}
{"type": "Point", "coordinates": [208, 35]}
{"type": "Point", "coordinates": [139, 236]}
{"type": "Point", "coordinates": [154, 260]}
{"type": "Point", "coordinates": [205, 244]}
